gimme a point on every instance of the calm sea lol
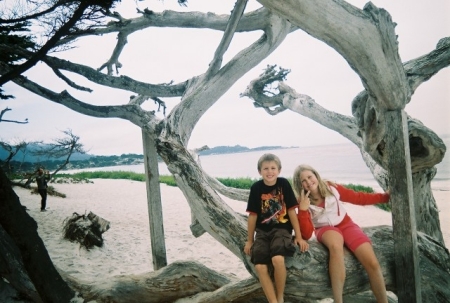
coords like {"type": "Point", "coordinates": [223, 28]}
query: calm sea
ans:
{"type": "Point", "coordinates": [341, 163]}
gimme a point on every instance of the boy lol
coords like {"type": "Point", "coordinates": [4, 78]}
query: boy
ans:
{"type": "Point", "coordinates": [271, 207]}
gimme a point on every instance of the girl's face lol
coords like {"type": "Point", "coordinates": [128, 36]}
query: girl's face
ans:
{"type": "Point", "coordinates": [309, 181]}
{"type": "Point", "coordinates": [269, 172]}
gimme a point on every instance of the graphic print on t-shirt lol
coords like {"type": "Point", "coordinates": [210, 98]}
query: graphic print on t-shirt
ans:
{"type": "Point", "coordinates": [273, 208]}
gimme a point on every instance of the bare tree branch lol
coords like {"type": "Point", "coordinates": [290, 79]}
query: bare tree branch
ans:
{"type": "Point", "coordinates": [232, 24]}
{"type": "Point", "coordinates": [11, 121]}
{"type": "Point", "coordinates": [133, 113]}
{"type": "Point", "coordinates": [423, 68]}
{"type": "Point", "coordinates": [62, 148]}
{"type": "Point", "coordinates": [381, 70]}
{"type": "Point", "coordinates": [186, 114]}
{"type": "Point", "coordinates": [251, 21]}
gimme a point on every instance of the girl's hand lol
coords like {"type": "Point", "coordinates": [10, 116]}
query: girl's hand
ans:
{"type": "Point", "coordinates": [302, 244]}
{"type": "Point", "coordinates": [304, 200]}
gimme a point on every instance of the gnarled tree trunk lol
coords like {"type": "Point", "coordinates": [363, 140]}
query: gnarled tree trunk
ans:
{"type": "Point", "coordinates": [366, 39]}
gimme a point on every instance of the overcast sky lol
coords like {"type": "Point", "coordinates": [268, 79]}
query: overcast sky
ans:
{"type": "Point", "coordinates": [162, 55]}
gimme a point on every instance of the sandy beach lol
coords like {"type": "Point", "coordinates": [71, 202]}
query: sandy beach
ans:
{"type": "Point", "coordinates": [126, 247]}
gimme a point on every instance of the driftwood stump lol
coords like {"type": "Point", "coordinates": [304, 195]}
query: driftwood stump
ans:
{"type": "Point", "coordinates": [87, 230]}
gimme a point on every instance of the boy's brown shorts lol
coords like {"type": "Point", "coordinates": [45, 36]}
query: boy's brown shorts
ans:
{"type": "Point", "coordinates": [277, 242]}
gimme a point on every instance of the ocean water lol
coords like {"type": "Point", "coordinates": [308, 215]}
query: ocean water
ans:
{"type": "Point", "coordinates": [341, 163]}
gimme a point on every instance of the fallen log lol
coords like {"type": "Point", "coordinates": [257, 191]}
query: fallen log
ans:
{"type": "Point", "coordinates": [177, 280]}
{"type": "Point", "coordinates": [307, 280]}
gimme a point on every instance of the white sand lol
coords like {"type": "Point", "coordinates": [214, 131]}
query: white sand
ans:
{"type": "Point", "coordinates": [126, 247]}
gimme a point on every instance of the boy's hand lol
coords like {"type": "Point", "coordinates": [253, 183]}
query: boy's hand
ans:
{"type": "Point", "coordinates": [301, 243]}
{"type": "Point", "coordinates": [247, 247]}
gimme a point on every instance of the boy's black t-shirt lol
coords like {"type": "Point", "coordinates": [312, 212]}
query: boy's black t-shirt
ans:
{"type": "Point", "coordinates": [271, 204]}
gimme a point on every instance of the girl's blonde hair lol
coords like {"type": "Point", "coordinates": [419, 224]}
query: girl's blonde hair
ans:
{"type": "Point", "coordinates": [297, 182]}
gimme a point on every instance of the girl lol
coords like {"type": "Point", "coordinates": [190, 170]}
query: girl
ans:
{"type": "Point", "coordinates": [321, 209]}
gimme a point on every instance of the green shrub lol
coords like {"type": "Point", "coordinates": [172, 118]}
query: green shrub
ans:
{"type": "Point", "coordinates": [105, 175]}
{"type": "Point", "coordinates": [357, 187]}
{"type": "Point", "coordinates": [241, 183]}
{"type": "Point", "coordinates": [168, 180]}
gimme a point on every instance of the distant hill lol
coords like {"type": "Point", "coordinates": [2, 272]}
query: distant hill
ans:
{"type": "Point", "coordinates": [29, 157]}
{"type": "Point", "coordinates": [236, 149]}
{"type": "Point", "coordinates": [28, 162]}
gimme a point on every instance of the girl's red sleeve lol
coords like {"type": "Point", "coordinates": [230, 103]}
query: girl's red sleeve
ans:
{"type": "Point", "coordinates": [361, 198]}
{"type": "Point", "coordinates": [306, 225]}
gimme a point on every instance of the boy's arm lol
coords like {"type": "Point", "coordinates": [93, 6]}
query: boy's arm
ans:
{"type": "Point", "coordinates": [298, 235]}
{"type": "Point", "coordinates": [251, 226]}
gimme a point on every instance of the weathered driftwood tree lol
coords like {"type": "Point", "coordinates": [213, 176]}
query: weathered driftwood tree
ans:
{"type": "Point", "coordinates": [372, 53]}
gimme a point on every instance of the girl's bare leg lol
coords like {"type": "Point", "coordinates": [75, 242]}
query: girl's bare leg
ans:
{"type": "Point", "coordinates": [335, 244]}
{"type": "Point", "coordinates": [368, 259]}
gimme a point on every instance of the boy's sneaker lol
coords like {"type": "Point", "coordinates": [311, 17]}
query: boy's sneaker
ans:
{"type": "Point", "coordinates": [43, 210]}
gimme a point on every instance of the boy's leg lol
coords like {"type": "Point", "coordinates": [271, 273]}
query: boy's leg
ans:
{"type": "Point", "coordinates": [281, 247]}
{"type": "Point", "coordinates": [260, 256]}
{"type": "Point", "coordinates": [280, 276]}
{"type": "Point", "coordinates": [266, 282]}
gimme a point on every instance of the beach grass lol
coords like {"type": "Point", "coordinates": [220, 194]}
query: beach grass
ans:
{"type": "Point", "coordinates": [104, 175]}
{"type": "Point", "coordinates": [241, 183]}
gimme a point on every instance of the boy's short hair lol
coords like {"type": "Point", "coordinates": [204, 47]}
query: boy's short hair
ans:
{"type": "Point", "coordinates": [268, 158]}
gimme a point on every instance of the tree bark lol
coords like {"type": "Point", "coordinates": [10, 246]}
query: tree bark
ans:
{"type": "Point", "coordinates": [427, 212]}
{"type": "Point", "coordinates": [13, 272]}
{"type": "Point", "coordinates": [23, 231]}
{"type": "Point", "coordinates": [177, 280]}
{"type": "Point", "coordinates": [403, 210]}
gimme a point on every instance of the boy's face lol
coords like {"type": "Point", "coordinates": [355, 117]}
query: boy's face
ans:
{"type": "Point", "coordinates": [269, 172]}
